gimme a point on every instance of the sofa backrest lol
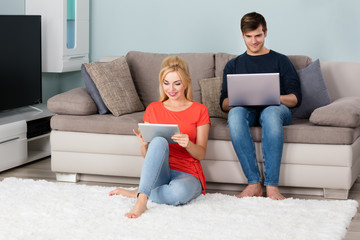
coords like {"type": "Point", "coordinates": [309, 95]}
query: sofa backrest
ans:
{"type": "Point", "coordinates": [145, 68]}
{"type": "Point", "coordinates": [342, 79]}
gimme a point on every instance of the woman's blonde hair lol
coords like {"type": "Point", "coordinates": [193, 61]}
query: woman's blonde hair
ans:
{"type": "Point", "coordinates": [175, 64]}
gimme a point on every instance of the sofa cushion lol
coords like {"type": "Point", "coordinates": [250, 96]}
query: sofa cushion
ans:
{"type": "Point", "coordinates": [115, 85]}
{"type": "Point", "coordinates": [343, 112]}
{"type": "Point", "coordinates": [301, 131]}
{"type": "Point", "coordinates": [313, 89]}
{"type": "Point", "coordinates": [93, 91]}
{"type": "Point", "coordinates": [299, 62]}
{"type": "Point", "coordinates": [145, 69]}
{"type": "Point", "coordinates": [210, 95]}
{"type": "Point", "coordinates": [221, 60]}
{"type": "Point", "coordinates": [76, 102]}
{"type": "Point", "coordinates": [108, 123]}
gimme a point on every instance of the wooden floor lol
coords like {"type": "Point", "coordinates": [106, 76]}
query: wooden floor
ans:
{"type": "Point", "coordinates": [41, 170]}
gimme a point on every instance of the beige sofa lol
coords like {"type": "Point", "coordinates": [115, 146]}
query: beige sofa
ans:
{"type": "Point", "coordinates": [321, 158]}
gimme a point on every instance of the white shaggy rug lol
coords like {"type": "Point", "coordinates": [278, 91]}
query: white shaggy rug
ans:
{"type": "Point", "coordinates": [45, 210]}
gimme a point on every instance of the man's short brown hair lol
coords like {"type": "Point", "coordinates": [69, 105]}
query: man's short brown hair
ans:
{"type": "Point", "coordinates": [251, 21]}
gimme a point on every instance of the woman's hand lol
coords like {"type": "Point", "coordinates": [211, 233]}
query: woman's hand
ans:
{"type": "Point", "coordinates": [144, 145]}
{"type": "Point", "coordinates": [181, 139]}
{"type": "Point", "coordinates": [197, 149]}
{"type": "Point", "coordinates": [138, 134]}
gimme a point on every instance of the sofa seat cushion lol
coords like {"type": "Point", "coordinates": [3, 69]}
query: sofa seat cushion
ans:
{"type": "Point", "coordinates": [108, 123]}
{"type": "Point", "coordinates": [301, 131]}
{"type": "Point", "coordinates": [145, 68]}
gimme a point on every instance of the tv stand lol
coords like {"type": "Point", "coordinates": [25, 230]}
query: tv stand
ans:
{"type": "Point", "coordinates": [35, 108]}
{"type": "Point", "coordinates": [24, 135]}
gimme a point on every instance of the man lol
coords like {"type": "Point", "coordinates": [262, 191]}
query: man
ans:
{"type": "Point", "coordinates": [259, 59]}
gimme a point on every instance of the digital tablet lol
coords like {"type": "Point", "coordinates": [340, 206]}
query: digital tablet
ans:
{"type": "Point", "coordinates": [149, 131]}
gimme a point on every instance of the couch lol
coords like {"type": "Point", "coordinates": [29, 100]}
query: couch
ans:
{"type": "Point", "coordinates": [321, 152]}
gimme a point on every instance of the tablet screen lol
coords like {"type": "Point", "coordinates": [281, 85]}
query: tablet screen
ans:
{"type": "Point", "coordinates": [149, 131]}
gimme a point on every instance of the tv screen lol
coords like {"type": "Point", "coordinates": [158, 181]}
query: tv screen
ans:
{"type": "Point", "coordinates": [20, 61]}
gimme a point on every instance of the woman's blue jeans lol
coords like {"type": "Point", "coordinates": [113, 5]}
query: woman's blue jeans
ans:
{"type": "Point", "coordinates": [162, 184]}
{"type": "Point", "coordinates": [271, 119]}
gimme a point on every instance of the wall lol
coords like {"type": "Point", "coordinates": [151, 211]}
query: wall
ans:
{"type": "Point", "coordinates": [322, 29]}
{"type": "Point", "coordinates": [317, 28]}
{"type": "Point", "coordinates": [12, 7]}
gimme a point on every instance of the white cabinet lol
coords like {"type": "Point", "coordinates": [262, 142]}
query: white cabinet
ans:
{"type": "Point", "coordinates": [65, 33]}
{"type": "Point", "coordinates": [24, 136]}
{"type": "Point", "coordinates": [38, 147]}
{"type": "Point", "coordinates": [13, 144]}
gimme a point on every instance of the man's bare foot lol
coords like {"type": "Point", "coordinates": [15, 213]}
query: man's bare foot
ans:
{"type": "Point", "coordinates": [139, 208]}
{"type": "Point", "coordinates": [124, 192]}
{"type": "Point", "coordinates": [252, 190]}
{"type": "Point", "coordinates": [273, 193]}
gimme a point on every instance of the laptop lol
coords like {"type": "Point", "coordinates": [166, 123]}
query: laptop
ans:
{"type": "Point", "coordinates": [149, 131]}
{"type": "Point", "coordinates": [261, 89]}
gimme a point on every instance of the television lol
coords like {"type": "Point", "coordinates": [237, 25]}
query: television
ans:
{"type": "Point", "coordinates": [20, 61]}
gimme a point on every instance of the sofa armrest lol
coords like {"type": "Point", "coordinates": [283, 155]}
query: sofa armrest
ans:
{"type": "Point", "coordinates": [343, 112]}
{"type": "Point", "coordinates": [73, 102]}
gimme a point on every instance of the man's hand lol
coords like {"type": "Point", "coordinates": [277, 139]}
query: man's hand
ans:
{"type": "Point", "coordinates": [225, 105]}
{"type": "Point", "coordinates": [288, 100]}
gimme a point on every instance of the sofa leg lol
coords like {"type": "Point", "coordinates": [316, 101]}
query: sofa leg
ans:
{"type": "Point", "coordinates": [336, 193]}
{"type": "Point", "coordinates": [67, 177]}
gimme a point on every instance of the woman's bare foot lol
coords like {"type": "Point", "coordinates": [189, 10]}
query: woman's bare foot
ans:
{"type": "Point", "coordinates": [273, 193]}
{"type": "Point", "coordinates": [139, 208]}
{"type": "Point", "coordinates": [124, 192]}
{"type": "Point", "coordinates": [252, 190]}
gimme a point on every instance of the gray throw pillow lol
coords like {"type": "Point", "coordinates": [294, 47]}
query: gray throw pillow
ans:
{"type": "Point", "coordinates": [93, 91]}
{"type": "Point", "coordinates": [210, 96]}
{"type": "Point", "coordinates": [115, 85]}
{"type": "Point", "coordinates": [313, 89]}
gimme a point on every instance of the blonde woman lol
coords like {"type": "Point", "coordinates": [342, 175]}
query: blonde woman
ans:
{"type": "Point", "coordinates": [172, 173]}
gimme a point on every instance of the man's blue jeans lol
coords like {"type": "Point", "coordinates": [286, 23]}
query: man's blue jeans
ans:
{"type": "Point", "coordinates": [162, 184]}
{"type": "Point", "coordinates": [272, 119]}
